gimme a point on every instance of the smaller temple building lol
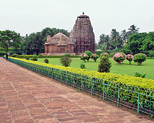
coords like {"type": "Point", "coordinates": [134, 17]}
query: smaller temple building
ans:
{"type": "Point", "coordinates": [59, 44]}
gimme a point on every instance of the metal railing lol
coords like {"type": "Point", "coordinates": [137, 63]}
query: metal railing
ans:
{"type": "Point", "coordinates": [140, 100]}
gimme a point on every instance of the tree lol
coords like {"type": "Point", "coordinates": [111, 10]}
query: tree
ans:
{"type": "Point", "coordinates": [107, 42]}
{"type": "Point", "coordinates": [114, 37]}
{"type": "Point", "coordinates": [116, 41]}
{"type": "Point", "coordinates": [101, 40]}
{"type": "Point", "coordinates": [148, 42]}
{"type": "Point", "coordinates": [132, 29]}
{"type": "Point", "coordinates": [104, 42]}
{"type": "Point", "coordinates": [9, 39]}
{"type": "Point", "coordinates": [135, 41]}
{"type": "Point", "coordinates": [38, 44]}
{"type": "Point", "coordinates": [124, 35]}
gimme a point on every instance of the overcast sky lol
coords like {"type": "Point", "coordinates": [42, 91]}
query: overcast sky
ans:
{"type": "Point", "coordinates": [28, 16]}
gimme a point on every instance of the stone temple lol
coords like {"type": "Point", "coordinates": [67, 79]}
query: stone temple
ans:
{"type": "Point", "coordinates": [82, 35]}
{"type": "Point", "coordinates": [81, 39]}
{"type": "Point", "coordinates": [59, 44]}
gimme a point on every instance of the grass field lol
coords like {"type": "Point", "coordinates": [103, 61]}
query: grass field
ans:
{"type": "Point", "coordinates": [147, 67]}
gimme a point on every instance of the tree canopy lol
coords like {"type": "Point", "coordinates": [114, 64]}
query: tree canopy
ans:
{"type": "Point", "coordinates": [116, 40]}
{"type": "Point", "coordinates": [140, 42]}
{"type": "Point", "coordinates": [9, 39]}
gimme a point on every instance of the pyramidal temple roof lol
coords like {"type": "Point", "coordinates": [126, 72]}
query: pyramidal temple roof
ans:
{"type": "Point", "coordinates": [59, 39]}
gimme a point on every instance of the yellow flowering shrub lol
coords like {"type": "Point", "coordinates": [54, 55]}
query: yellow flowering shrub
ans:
{"type": "Point", "coordinates": [128, 80]}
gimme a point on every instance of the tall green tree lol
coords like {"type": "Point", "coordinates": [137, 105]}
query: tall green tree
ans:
{"type": "Point", "coordinates": [104, 42]}
{"type": "Point", "coordinates": [116, 41]}
{"type": "Point", "coordinates": [148, 42]}
{"type": "Point", "coordinates": [38, 44]}
{"type": "Point", "coordinates": [107, 42]}
{"type": "Point", "coordinates": [114, 35]}
{"type": "Point", "coordinates": [124, 35]}
{"type": "Point", "coordinates": [135, 42]}
{"type": "Point", "coordinates": [9, 39]}
{"type": "Point", "coordinates": [132, 29]}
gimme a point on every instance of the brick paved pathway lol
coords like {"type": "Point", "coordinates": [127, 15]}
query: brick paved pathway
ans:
{"type": "Point", "coordinates": [27, 97]}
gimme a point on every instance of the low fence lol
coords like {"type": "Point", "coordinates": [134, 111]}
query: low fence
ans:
{"type": "Point", "coordinates": [122, 95]}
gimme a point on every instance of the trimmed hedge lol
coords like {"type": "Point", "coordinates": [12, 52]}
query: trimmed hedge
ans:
{"type": "Point", "coordinates": [2, 53]}
{"type": "Point", "coordinates": [117, 78]}
{"type": "Point", "coordinates": [49, 56]}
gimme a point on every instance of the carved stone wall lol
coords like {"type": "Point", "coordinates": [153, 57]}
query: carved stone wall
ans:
{"type": "Point", "coordinates": [59, 43]}
{"type": "Point", "coordinates": [82, 35]}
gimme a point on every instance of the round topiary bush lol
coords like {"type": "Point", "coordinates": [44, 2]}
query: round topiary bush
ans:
{"type": "Point", "coordinates": [34, 58]}
{"type": "Point", "coordinates": [94, 57]}
{"type": "Point", "coordinates": [46, 61]}
{"type": "Point", "coordinates": [119, 57]}
{"type": "Point", "coordinates": [104, 54]}
{"type": "Point", "coordinates": [139, 58]}
{"type": "Point", "coordinates": [40, 55]}
{"type": "Point", "coordinates": [26, 57]}
{"type": "Point", "coordinates": [67, 55]}
{"type": "Point", "coordinates": [83, 57]}
{"type": "Point", "coordinates": [82, 66]}
{"type": "Point", "coordinates": [89, 55]}
{"type": "Point", "coordinates": [65, 61]}
{"type": "Point", "coordinates": [14, 55]}
{"type": "Point", "coordinates": [130, 58]}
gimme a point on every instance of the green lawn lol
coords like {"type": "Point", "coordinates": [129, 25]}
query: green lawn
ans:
{"type": "Point", "coordinates": [147, 67]}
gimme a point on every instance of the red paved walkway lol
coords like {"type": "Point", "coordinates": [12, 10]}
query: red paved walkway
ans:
{"type": "Point", "coordinates": [27, 97]}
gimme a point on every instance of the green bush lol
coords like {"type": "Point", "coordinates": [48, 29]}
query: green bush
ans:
{"type": "Point", "coordinates": [94, 57]}
{"type": "Point", "coordinates": [27, 58]}
{"type": "Point", "coordinates": [137, 74]}
{"type": "Point", "coordinates": [89, 55]}
{"type": "Point", "coordinates": [65, 61]}
{"type": "Point", "coordinates": [46, 61]}
{"type": "Point", "coordinates": [49, 56]}
{"type": "Point", "coordinates": [151, 54]}
{"type": "Point", "coordinates": [98, 52]}
{"type": "Point", "coordinates": [104, 54]}
{"type": "Point", "coordinates": [82, 66]}
{"type": "Point", "coordinates": [67, 55]}
{"type": "Point", "coordinates": [126, 51]}
{"type": "Point", "coordinates": [104, 65]}
{"type": "Point", "coordinates": [2, 53]}
{"type": "Point", "coordinates": [23, 56]}
{"type": "Point", "coordinates": [83, 57]}
{"type": "Point", "coordinates": [130, 58]}
{"type": "Point", "coordinates": [34, 58]}
{"type": "Point", "coordinates": [139, 58]}
{"type": "Point", "coordinates": [14, 55]}
{"type": "Point", "coordinates": [40, 56]}
{"type": "Point", "coordinates": [119, 57]}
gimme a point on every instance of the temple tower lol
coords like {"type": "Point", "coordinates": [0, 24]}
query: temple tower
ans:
{"type": "Point", "coordinates": [82, 35]}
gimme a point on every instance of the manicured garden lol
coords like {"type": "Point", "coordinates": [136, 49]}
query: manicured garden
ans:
{"type": "Point", "coordinates": [147, 67]}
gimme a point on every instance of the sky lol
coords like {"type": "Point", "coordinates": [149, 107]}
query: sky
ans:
{"type": "Point", "coordinates": [28, 16]}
